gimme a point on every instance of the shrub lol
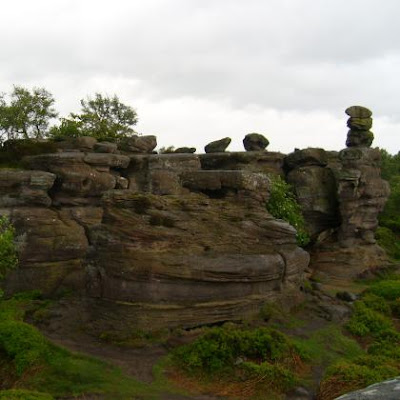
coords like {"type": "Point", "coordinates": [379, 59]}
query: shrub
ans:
{"type": "Point", "coordinates": [220, 348]}
{"type": "Point", "coordinates": [389, 241]}
{"type": "Point", "coordinates": [388, 290]}
{"type": "Point", "coordinates": [23, 344]}
{"type": "Point", "coordinates": [365, 321]}
{"type": "Point", "coordinates": [282, 204]}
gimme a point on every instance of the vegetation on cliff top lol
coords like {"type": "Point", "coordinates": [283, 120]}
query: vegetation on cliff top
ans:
{"type": "Point", "coordinates": [28, 114]}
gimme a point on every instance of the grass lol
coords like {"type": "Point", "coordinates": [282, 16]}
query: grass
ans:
{"type": "Point", "coordinates": [30, 363]}
{"type": "Point", "coordinates": [373, 324]}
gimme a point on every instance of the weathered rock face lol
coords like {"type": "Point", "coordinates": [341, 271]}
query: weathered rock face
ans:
{"type": "Point", "coordinates": [178, 245]}
{"type": "Point", "coordinates": [181, 239]}
{"type": "Point", "coordinates": [341, 195]}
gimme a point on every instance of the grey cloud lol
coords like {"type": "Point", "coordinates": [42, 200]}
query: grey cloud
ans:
{"type": "Point", "coordinates": [286, 54]}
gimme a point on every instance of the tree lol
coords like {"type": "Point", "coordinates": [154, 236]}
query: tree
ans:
{"type": "Point", "coordinates": [105, 117]}
{"type": "Point", "coordinates": [28, 113]}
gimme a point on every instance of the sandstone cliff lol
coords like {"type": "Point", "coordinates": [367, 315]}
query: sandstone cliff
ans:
{"type": "Point", "coordinates": [167, 240]}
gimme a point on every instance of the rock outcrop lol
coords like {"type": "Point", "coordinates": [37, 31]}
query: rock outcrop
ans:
{"type": "Point", "coordinates": [150, 240]}
{"type": "Point", "coordinates": [163, 240]}
{"type": "Point", "coordinates": [341, 195]}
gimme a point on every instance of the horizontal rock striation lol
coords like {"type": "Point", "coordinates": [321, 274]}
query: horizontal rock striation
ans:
{"type": "Point", "coordinates": [150, 240]}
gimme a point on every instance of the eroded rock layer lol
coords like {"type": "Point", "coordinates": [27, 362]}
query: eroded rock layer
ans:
{"type": "Point", "coordinates": [151, 240]}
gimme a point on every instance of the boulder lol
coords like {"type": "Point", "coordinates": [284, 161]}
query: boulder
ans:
{"type": "Point", "coordinates": [255, 142]}
{"type": "Point", "coordinates": [218, 146]}
{"type": "Point", "coordinates": [358, 138]}
{"type": "Point", "coordinates": [139, 144]}
{"type": "Point", "coordinates": [387, 390]}
{"type": "Point", "coordinates": [359, 124]}
{"type": "Point", "coordinates": [358, 112]}
{"type": "Point", "coordinates": [185, 150]}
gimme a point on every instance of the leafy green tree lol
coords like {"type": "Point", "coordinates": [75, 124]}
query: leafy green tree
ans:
{"type": "Point", "coordinates": [28, 113]}
{"type": "Point", "coordinates": [104, 117]}
{"type": "Point", "coordinates": [67, 129]}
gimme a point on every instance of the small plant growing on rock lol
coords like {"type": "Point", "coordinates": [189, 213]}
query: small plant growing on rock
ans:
{"type": "Point", "coordinates": [282, 204]}
{"type": "Point", "coordinates": [8, 252]}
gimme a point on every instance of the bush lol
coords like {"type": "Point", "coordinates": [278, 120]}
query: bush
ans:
{"type": "Point", "coordinates": [389, 241]}
{"type": "Point", "coordinates": [220, 348]}
{"type": "Point", "coordinates": [365, 321]}
{"type": "Point", "coordinates": [23, 344]}
{"type": "Point", "coordinates": [388, 290]}
{"type": "Point", "coordinates": [8, 252]}
{"type": "Point", "coordinates": [282, 204]}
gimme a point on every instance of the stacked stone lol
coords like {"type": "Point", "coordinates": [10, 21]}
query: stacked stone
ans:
{"type": "Point", "coordinates": [360, 123]}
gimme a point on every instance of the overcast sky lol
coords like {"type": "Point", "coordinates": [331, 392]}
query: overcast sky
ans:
{"type": "Point", "coordinates": [199, 70]}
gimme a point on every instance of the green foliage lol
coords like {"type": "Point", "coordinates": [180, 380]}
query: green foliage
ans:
{"type": "Point", "coordinates": [365, 321]}
{"type": "Point", "coordinates": [20, 394]}
{"type": "Point", "coordinates": [102, 117]}
{"type": "Point", "coordinates": [387, 289]}
{"type": "Point", "coordinates": [220, 348]}
{"type": "Point", "coordinates": [67, 129]}
{"type": "Point", "coordinates": [282, 204]}
{"type": "Point", "coordinates": [8, 252]}
{"type": "Point", "coordinates": [42, 366]}
{"type": "Point", "coordinates": [276, 375]}
{"type": "Point", "coordinates": [27, 115]}
{"type": "Point", "coordinates": [389, 234]}
{"type": "Point", "coordinates": [389, 241]}
{"type": "Point", "coordinates": [327, 345]}
{"type": "Point", "coordinates": [359, 373]}
{"type": "Point", "coordinates": [376, 303]}
{"type": "Point", "coordinates": [23, 344]}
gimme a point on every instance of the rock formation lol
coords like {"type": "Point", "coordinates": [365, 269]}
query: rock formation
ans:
{"type": "Point", "coordinates": [360, 123]}
{"type": "Point", "coordinates": [341, 195]}
{"type": "Point", "coordinates": [255, 142]}
{"type": "Point", "coordinates": [150, 240]}
{"type": "Point", "coordinates": [163, 240]}
{"type": "Point", "coordinates": [218, 146]}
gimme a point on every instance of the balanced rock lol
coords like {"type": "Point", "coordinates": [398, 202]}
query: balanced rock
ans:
{"type": "Point", "coordinates": [255, 142]}
{"type": "Point", "coordinates": [139, 144]}
{"type": "Point", "coordinates": [358, 112]}
{"type": "Point", "coordinates": [360, 123]}
{"type": "Point", "coordinates": [219, 146]}
{"type": "Point", "coordinates": [189, 150]}
{"type": "Point", "coordinates": [359, 138]}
